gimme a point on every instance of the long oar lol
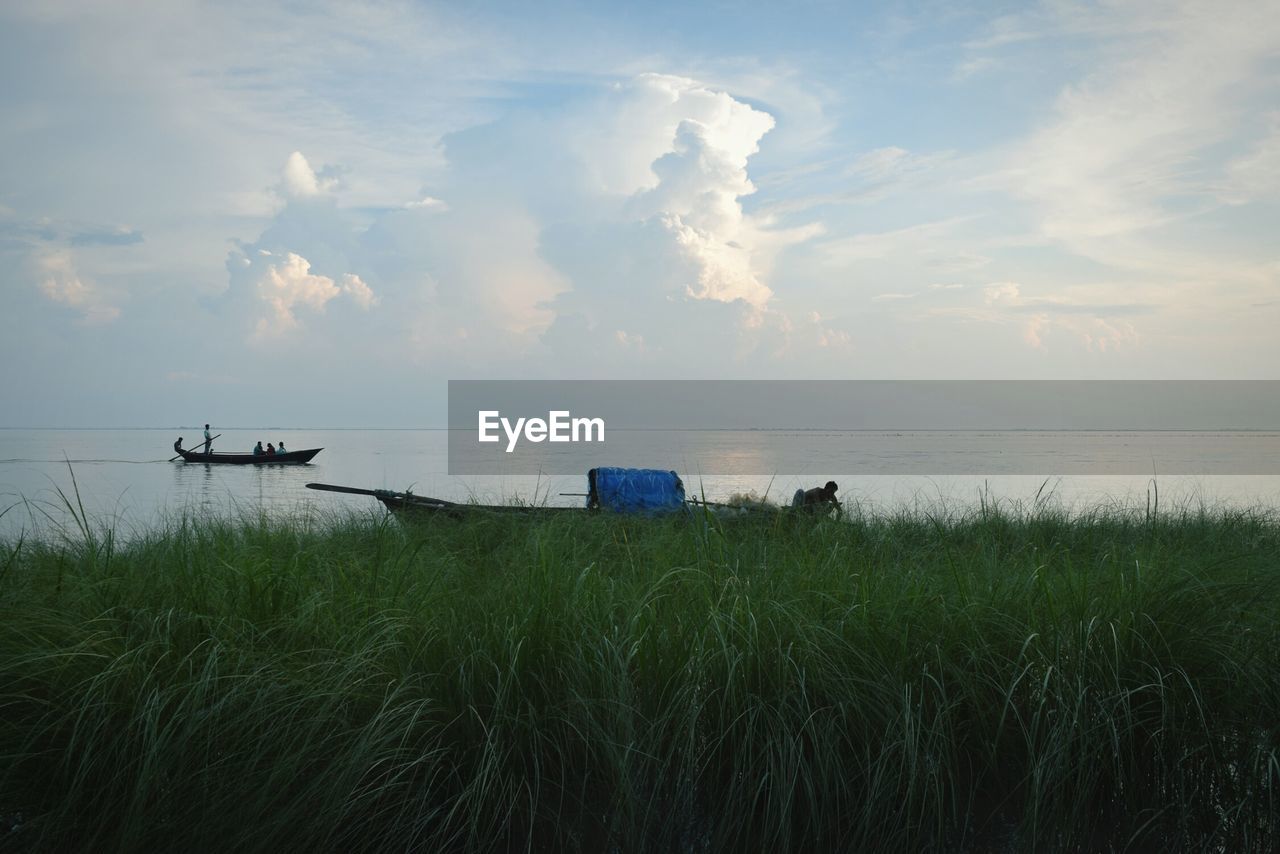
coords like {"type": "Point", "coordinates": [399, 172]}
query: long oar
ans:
{"type": "Point", "coordinates": [384, 493]}
{"type": "Point", "coordinates": [329, 487]}
{"type": "Point", "coordinates": [171, 459]}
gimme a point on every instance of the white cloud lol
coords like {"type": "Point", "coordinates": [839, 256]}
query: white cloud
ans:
{"type": "Point", "coordinates": [629, 340]}
{"type": "Point", "coordinates": [358, 291]}
{"type": "Point", "coordinates": [639, 121]}
{"type": "Point", "coordinates": [1256, 175]}
{"type": "Point", "coordinates": [959, 262]}
{"type": "Point", "coordinates": [914, 239]}
{"type": "Point", "coordinates": [428, 203]}
{"type": "Point", "coordinates": [724, 267]}
{"type": "Point", "coordinates": [300, 181]}
{"type": "Point", "coordinates": [1101, 328]}
{"type": "Point", "coordinates": [290, 284]}
{"type": "Point", "coordinates": [1131, 147]}
{"type": "Point", "coordinates": [1001, 291]}
{"type": "Point", "coordinates": [689, 170]}
{"type": "Point", "coordinates": [60, 282]}
{"type": "Point", "coordinates": [973, 67]}
{"type": "Point", "coordinates": [1031, 333]}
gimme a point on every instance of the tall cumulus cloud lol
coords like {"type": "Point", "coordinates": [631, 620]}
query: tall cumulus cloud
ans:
{"type": "Point", "coordinates": [605, 231]}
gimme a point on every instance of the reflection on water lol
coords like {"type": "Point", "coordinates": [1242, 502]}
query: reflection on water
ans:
{"type": "Point", "coordinates": [125, 480]}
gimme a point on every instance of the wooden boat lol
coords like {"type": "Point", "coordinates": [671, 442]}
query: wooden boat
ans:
{"type": "Point", "coordinates": [296, 457]}
{"type": "Point", "coordinates": [409, 504]}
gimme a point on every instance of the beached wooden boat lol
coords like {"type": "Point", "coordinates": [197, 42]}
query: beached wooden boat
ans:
{"type": "Point", "coordinates": [252, 459]}
{"type": "Point", "coordinates": [409, 504]}
{"type": "Point", "coordinates": [418, 506]}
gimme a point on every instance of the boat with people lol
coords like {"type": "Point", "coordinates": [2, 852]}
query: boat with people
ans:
{"type": "Point", "coordinates": [251, 459]}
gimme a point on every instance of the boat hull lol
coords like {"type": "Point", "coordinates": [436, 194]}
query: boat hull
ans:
{"type": "Point", "coordinates": [292, 457]}
{"type": "Point", "coordinates": [408, 505]}
{"type": "Point", "coordinates": [421, 505]}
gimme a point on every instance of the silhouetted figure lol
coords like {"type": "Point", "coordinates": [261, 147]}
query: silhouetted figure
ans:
{"type": "Point", "coordinates": [820, 499]}
{"type": "Point", "coordinates": [257, 450]}
{"type": "Point", "coordinates": [177, 446]}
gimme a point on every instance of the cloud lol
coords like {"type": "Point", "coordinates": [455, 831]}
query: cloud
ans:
{"type": "Point", "coordinates": [118, 236]}
{"type": "Point", "coordinates": [428, 203]}
{"type": "Point", "coordinates": [289, 285]}
{"type": "Point", "coordinates": [639, 122]}
{"type": "Point", "coordinates": [913, 239]}
{"type": "Point", "coordinates": [353, 287]}
{"type": "Point", "coordinates": [634, 196]}
{"type": "Point", "coordinates": [869, 177]}
{"type": "Point", "coordinates": [1100, 327]}
{"type": "Point", "coordinates": [1060, 307]}
{"type": "Point", "coordinates": [60, 283]}
{"type": "Point", "coordinates": [1131, 148]}
{"type": "Point", "coordinates": [1001, 291]}
{"type": "Point", "coordinates": [300, 181]}
{"type": "Point", "coordinates": [66, 233]}
{"type": "Point", "coordinates": [959, 262]}
{"type": "Point", "coordinates": [1031, 333]}
{"type": "Point", "coordinates": [1256, 175]}
{"type": "Point", "coordinates": [694, 180]}
{"type": "Point", "coordinates": [973, 67]}
{"type": "Point", "coordinates": [623, 203]}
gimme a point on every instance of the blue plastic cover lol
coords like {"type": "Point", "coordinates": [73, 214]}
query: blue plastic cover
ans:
{"type": "Point", "coordinates": [635, 490]}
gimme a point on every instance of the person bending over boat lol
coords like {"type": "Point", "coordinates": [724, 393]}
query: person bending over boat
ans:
{"type": "Point", "coordinates": [820, 499]}
{"type": "Point", "coordinates": [177, 446]}
{"type": "Point", "coordinates": [257, 450]}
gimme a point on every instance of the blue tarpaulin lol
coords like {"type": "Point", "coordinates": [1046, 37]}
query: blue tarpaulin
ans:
{"type": "Point", "coordinates": [635, 490]}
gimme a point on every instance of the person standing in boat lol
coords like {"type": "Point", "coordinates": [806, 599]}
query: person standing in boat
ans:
{"type": "Point", "coordinates": [208, 440]}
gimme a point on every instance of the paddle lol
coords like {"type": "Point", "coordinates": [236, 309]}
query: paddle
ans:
{"type": "Point", "coordinates": [329, 487]}
{"type": "Point", "coordinates": [384, 493]}
{"type": "Point", "coordinates": [171, 459]}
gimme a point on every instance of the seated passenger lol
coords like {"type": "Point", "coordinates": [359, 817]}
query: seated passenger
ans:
{"type": "Point", "coordinates": [280, 449]}
{"type": "Point", "coordinates": [271, 450]}
{"type": "Point", "coordinates": [257, 450]}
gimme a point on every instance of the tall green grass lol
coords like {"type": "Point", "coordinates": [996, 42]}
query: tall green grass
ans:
{"type": "Point", "coordinates": [988, 681]}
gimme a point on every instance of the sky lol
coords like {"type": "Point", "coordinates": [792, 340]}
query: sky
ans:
{"type": "Point", "coordinates": [316, 214]}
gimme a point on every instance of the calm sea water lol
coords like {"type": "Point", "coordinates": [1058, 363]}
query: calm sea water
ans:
{"type": "Point", "coordinates": [124, 477]}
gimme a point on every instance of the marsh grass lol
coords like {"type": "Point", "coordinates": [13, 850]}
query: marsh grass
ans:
{"type": "Point", "coordinates": [994, 680]}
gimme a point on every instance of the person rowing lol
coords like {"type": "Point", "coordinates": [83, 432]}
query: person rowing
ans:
{"type": "Point", "coordinates": [208, 440]}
